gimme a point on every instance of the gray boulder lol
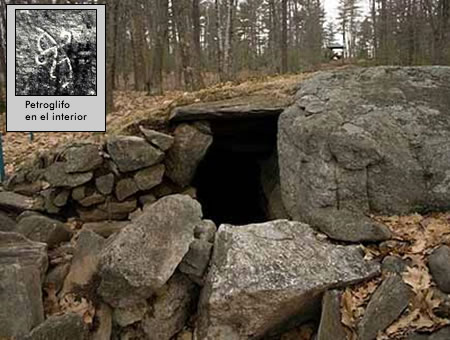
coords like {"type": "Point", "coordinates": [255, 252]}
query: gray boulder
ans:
{"type": "Point", "coordinates": [206, 230]}
{"type": "Point", "coordinates": [68, 326]}
{"type": "Point", "coordinates": [105, 184]}
{"type": "Point", "coordinates": [125, 188]}
{"type": "Point", "coordinates": [439, 263]}
{"type": "Point", "coordinates": [158, 139]}
{"type": "Point", "coordinates": [170, 310]}
{"type": "Point", "coordinates": [84, 262]}
{"type": "Point", "coordinates": [271, 276]}
{"type": "Point", "coordinates": [387, 303]}
{"type": "Point", "coordinates": [132, 153]}
{"type": "Point", "coordinates": [149, 178]}
{"type": "Point", "coordinates": [143, 256]}
{"type": "Point", "coordinates": [82, 158]}
{"type": "Point", "coordinates": [16, 202]}
{"type": "Point", "coordinates": [56, 175]}
{"type": "Point", "coordinates": [188, 150]}
{"type": "Point", "coordinates": [365, 140]}
{"type": "Point", "coordinates": [23, 264]}
{"type": "Point", "coordinates": [44, 229]}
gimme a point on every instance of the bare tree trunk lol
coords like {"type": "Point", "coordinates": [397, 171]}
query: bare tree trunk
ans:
{"type": "Point", "coordinates": [219, 41]}
{"type": "Point", "coordinates": [181, 15]}
{"type": "Point", "coordinates": [110, 55]}
{"type": "Point", "coordinates": [228, 60]}
{"type": "Point", "coordinates": [139, 46]}
{"type": "Point", "coordinates": [198, 58]}
{"type": "Point", "coordinates": [162, 8]}
{"type": "Point", "coordinates": [284, 37]}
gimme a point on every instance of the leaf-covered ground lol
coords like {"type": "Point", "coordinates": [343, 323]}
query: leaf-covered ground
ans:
{"type": "Point", "coordinates": [135, 108]}
{"type": "Point", "coordinates": [415, 237]}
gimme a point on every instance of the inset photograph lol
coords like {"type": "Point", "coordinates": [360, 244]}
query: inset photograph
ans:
{"type": "Point", "coordinates": [56, 52]}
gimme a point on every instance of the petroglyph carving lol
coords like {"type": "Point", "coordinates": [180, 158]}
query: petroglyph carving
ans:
{"type": "Point", "coordinates": [53, 53]}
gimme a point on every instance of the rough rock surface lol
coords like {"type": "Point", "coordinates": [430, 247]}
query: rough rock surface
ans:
{"type": "Point", "coordinates": [105, 228]}
{"type": "Point", "coordinates": [85, 260]}
{"type": "Point", "coordinates": [125, 188]}
{"type": "Point", "coordinates": [366, 140]}
{"type": "Point", "coordinates": [82, 158]}
{"type": "Point", "coordinates": [188, 150]}
{"type": "Point", "coordinates": [105, 184]}
{"type": "Point", "coordinates": [247, 107]}
{"type": "Point", "coordinates": [158, 139]}
{"type": "Point", "coordinates": [7, 224]}
{"type": "Point", "coordinates": [171, 309]}
{"type": "Point", "coordinates": [280, 262]}
{"type": "Point", "coordinates": [132, 153]}
{"type": "Point", "coordinates": [22, 266]}
{"type": "Point", "coordinates": [439, 263]}
{"type": "Point", "coordinates": [330, 321]}
{"type": "Point", "coordinates": [16, 202]}
{"type": "Point", "coordinates": [387, 303]}
{"type": "Point", "coordinates": [442, 334]}
{"type": "Point", "coordinates": [44, 229]}
{"type": "Point", "coordinates": [196, 260]}
{"type": "Point", "coordinates": [143, 256]}
{"type": "Point", "coordinates": [68, 326]}
{"type": "Point", "coordinates": [56, 175]}
{"type": "Point", "coordinates": [149, 178]}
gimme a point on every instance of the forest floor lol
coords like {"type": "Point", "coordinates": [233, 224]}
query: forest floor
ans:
{"type": "Point", "coordinates": [136, 108]}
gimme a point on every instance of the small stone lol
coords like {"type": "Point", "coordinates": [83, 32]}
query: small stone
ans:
{"type": "Point", "coordinates": [442, 334]}
{"type": "Point", "coordinates": [149, 178]}
{"type": "Point", "coordinates": [105, 184]}
{"type": "Point", "coordinates": [79, 193]}
{"type": "Point", "coordinates": [48, 197]}
{"type": "Point", "coordinates": [44, 229]}
{"type": "Point", "coordinates": [190, 191]}
{"type": "Point", "coordinates": [61, 198]}
{"type": "Point", "coordinates": [132, 153]}
{"type": "Point", "coordinates": [129, 315]}
{"type": "Point", "coordinates": [330, 321]}
{"type": "Point", "coordinates": [85, 260]}
{"type": "Point", "coordinates": [171, 309]}
{"type": "Point", "coordinates": [56, 276]}
{"type": "Point", "coordinates": [439, 263]}
{"type": "Point", "coordinates": [385, 306]}
{"type": "Point", "coordinates": [393, 264]}
{"type": "Point", "coordinates": [119, 207]}
{"type": "Point", "coordinates": [105, 228]}
{"type": "Point", "coordinates": [97, 215]}
{"type": "Point", "coordinates": [196, 260]}
{"type": "Point", "coordinates": [69, 326]}
{"type": "Point", "coordinates": [82, 158]}
{"type": "Point", "coordinates": [158, 139]}
{"type": "Point", "coordinates": [95, 198]}
{"type": "Point", "coordinates": [16, 202]}
{"type": "Point", "coordinates": [125, 188]}
{"type": "Point", "coordinates": [147, 199]}
{"type": "Point", "coordinates": [205, 230]}
{"type": "Point", "coordinates": [56, 175]}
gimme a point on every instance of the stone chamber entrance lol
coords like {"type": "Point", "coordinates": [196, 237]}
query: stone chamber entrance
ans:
{"type": "Point", "coordinates": [230, 180]}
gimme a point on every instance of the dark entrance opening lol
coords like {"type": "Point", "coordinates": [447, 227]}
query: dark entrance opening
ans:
{"type": "Point", "coordinates": [228, 180]}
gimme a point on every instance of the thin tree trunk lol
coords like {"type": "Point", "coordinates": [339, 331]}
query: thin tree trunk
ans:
{"type": "Point", "coordinates": [110, 55]}
{"type": "Point", "coordinates": [284, 37]}
{"type": "Point", "coordinates": [228, 60]}
{"type": "Point", "coordinates": [162, 8]}
{"type": "Point", "coordinates": [198, 58]}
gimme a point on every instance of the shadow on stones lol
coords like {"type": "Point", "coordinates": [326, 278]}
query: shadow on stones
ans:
{"type": "Point", "coordinates": [228, 180]}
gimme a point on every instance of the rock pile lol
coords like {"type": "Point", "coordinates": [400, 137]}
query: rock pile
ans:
{"type": "Point", "coordinates": [107, 241]}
